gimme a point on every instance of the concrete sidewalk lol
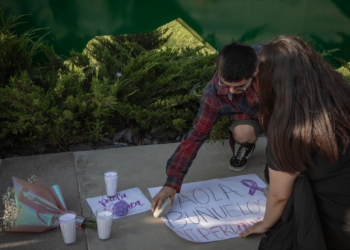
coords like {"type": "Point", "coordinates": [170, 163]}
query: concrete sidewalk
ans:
{"type": "Point", "coordinates": [80, 176]}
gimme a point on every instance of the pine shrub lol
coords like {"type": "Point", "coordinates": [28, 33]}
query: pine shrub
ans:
{"type": "Point", "coordinates": [117, 82]}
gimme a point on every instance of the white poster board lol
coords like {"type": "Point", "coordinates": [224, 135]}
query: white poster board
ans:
{"type": "Point", "coordinates": [136, 200]}
{"type": "Point", "coordinates": [216, 209]}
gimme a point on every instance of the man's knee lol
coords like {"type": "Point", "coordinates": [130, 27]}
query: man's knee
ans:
{"type": "Point", "coordinates": [244, 134]}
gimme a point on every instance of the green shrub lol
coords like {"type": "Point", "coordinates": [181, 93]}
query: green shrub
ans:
{"type": "Point", "coordinates": [345, 70]}
{"type": "Point", "coordinates": [158, 88]}
{"type": "Point", "coordinates": [117, 82]}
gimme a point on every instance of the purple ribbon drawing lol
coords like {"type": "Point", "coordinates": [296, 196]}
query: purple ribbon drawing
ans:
{"type": "Point", "coordinates": [121, 208]}
{"type": "Point", "coordinates": [252, 185]}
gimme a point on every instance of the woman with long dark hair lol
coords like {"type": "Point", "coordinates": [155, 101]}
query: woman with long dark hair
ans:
{"type": "Point", "coordinates": [305, 114]}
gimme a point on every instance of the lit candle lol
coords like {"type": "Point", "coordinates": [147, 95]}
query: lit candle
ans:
{"type": "Point", "coordinates": [68, 226]}
{"type": "Point", "coordinates": [67, 217]}
{"type": "Point", "coordinates": [111, 181]}
{"type": "Point", "coordinates": [104, 218]}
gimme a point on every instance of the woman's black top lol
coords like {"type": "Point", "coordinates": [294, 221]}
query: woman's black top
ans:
{"type": "Point", "coordinates": [330, 186]}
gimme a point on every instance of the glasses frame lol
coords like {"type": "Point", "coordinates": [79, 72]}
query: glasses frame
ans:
{"type": "Point", "coordinates": [244, 88]}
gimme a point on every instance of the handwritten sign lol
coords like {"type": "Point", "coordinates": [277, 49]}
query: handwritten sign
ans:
{"type": "Point", "coordinates": [216, 209]}
{"type": "Point", "coordinates": [136, 200]}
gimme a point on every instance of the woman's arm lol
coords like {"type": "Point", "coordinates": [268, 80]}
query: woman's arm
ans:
{"type": "Point", "coordinates": [281, 187]}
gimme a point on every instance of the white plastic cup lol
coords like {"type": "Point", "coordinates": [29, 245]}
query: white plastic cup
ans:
{"type": "Point", "coordinates": [67, 221]}
{"type": "Point", "coordinates": [111, 181]}
{"type": "Point", "coordinates": [104, 218]}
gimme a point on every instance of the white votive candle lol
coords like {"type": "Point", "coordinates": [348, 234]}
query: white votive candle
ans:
{"type": "Point", "coordinates": [104, 218]}
{"type": "Point", "coordinates": [68, 226]}
{"type": "Point", "coordinates": [111, 181]}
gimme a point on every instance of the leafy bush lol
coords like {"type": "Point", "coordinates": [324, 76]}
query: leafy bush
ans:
{"type": "Point", "coordinates": [117, 82]}
{"type": "Point", "coordinates": [345, 70]}
{"type": "Point", "coordinates": [134, 81]}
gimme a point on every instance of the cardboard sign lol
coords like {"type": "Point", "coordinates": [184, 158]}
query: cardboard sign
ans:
{"type": "Point", "coordinates": [216, 209]}
{"type": "Point", "coordinates": [136, 200]}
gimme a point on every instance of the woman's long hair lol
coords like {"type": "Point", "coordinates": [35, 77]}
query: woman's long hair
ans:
{"type": "Point", "coordinates": [305, 104]}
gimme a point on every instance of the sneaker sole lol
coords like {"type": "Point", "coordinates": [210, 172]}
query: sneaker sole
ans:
{"type": "Point", "coordinates": [237, 169]}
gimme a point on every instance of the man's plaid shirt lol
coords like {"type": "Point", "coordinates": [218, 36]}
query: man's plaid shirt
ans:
{"type": "Point", "coordinates": [216, 102]}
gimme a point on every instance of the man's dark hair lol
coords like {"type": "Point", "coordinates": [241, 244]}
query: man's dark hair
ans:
{"type": "Point", "coordinates": [236, 61]}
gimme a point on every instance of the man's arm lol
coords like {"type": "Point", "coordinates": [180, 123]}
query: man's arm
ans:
{"type": "Point", "coordinates": [179, 163]}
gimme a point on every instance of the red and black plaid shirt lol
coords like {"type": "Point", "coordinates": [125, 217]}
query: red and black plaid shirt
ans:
{"type": "Point", "coordinates": [216, 102]}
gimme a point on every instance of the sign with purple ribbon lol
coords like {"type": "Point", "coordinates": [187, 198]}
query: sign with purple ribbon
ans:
{"type": "Point", "coordinates": [216, 209]}
{"type": "Point", "coordinates": [252, 186]}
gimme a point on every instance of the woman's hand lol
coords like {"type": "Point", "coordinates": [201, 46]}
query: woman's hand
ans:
{"type": "Point", "coordinates": [257, 228]}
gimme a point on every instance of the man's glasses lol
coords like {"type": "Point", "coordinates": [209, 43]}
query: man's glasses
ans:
{"type": "Point", "coordinates": [243, 88]}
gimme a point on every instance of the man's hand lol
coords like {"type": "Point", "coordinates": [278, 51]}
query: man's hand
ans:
{"type": "Point", "coordinates": [164, 193]}
{"type": "Point", "coordinates": [257, 228]}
